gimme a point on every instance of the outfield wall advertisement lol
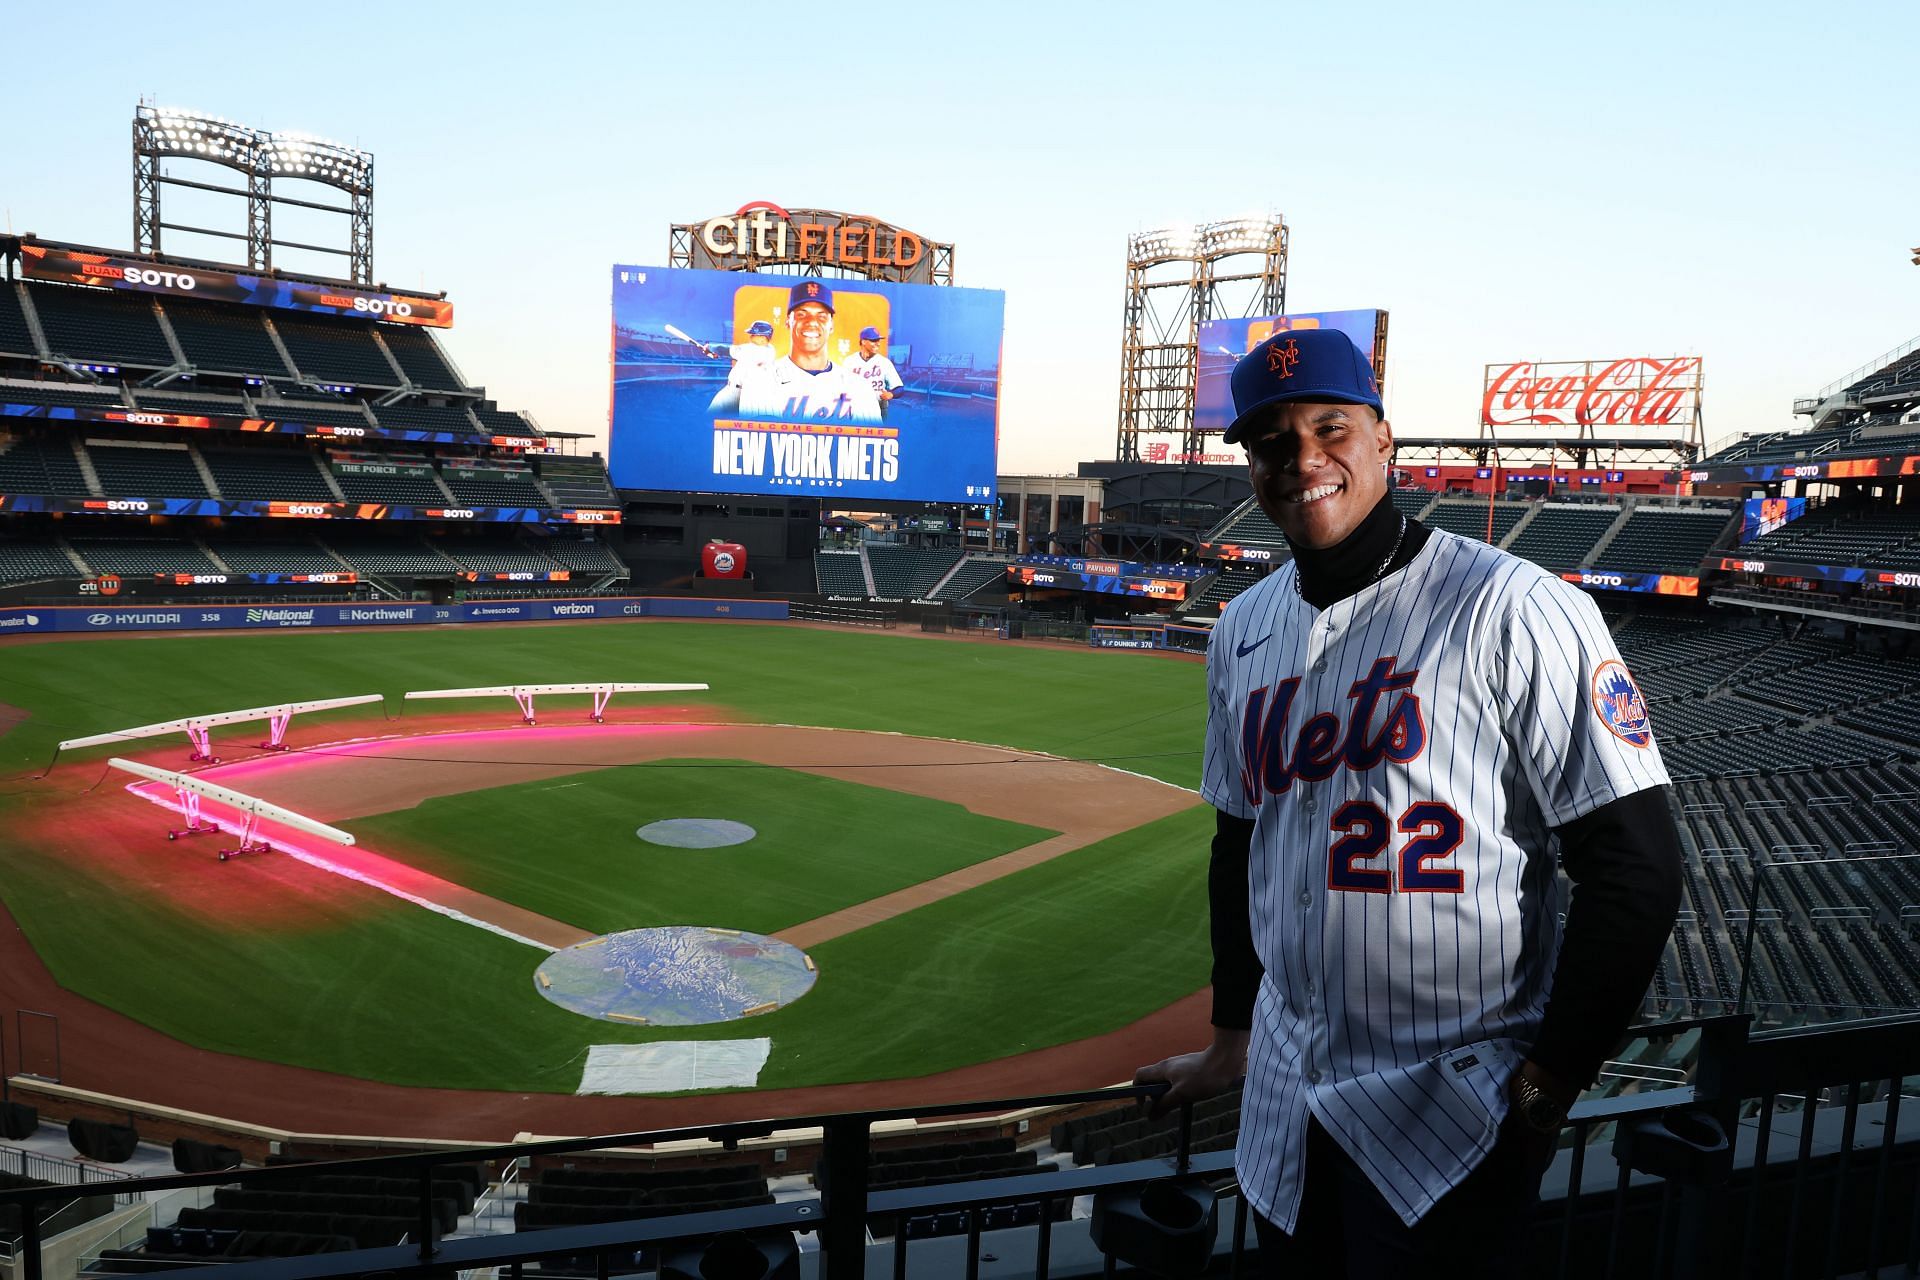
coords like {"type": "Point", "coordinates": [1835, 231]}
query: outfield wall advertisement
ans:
{"type": "Point", "coordinates": [196, 617]}
{"type": "Point", "coordinates": [751, 383]}
{"type": "Point", "coordinates": [1223, 342]}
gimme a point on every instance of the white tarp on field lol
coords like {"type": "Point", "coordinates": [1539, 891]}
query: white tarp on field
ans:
{"type": "Point", "coordinates": [674, 1066]}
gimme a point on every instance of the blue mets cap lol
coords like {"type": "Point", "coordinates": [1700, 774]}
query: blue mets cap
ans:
{"type": "Point", "coordinates": [869, 334]}
{"type": "Point", "coordinates": [810, 291]}
{"type": "Point", "coordinates": [1300, 364]}
{"type": "Point", "coordinates": [759, 329]}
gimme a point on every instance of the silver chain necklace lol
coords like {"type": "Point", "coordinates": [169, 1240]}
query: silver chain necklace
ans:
{"type": "Point", "coordinates": [1379, 571]}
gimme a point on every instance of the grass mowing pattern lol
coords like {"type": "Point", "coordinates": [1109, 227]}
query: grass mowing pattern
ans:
{"type": "Point", "coordinates": [1074, 947]}
{"type": "Point", "coordinates": [567, 849]}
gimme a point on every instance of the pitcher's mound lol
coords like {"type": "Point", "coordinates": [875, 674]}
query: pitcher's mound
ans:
{"type": "Point", "coordinates": [679, 976]}
{"type": "Point", "coordinates": [696, 833]}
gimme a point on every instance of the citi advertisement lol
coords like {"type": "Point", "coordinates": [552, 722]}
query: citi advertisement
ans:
{"type": "Point", "coordinates": [725, 382]}
{"type": "Point", "coordinates": [75, 266]}
{"type": "Point", "coordinates": [1223, 342]}
{"type": "Point", "coordinates": [223, 617]}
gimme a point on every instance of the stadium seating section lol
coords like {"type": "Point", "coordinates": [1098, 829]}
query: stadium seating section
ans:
{"type": "Point", "coordinates": [451, 418]}
{"type": "Point", "coordinates": [31, 559]}
{"type": "Point", "coordinates": [582, 555]}
{"type": "Point", "coordinates": [97, 327]}
{"type": "Point", "coordinates": [15, 338]}
{"type": "Point", "coordinates": [498, 555]}
{"type": "Point", "coordinates": [420, 359]}
{"type": "Point", "coordinates": [401, 556]}
{"type": "Point", "coordinates": [275, 557]}
{"type": "Point", "coordinates": [292, 475]}
{"type": "Point", "coordinates": [413, 491]}
{"type": "Point", "coordinates": [146, 470]}
{"type": "Point", "coordinates": [907, 573]}
{"type": "Point", "coordinates": [1216, 595]}
{"type": "Point", "coordinates": [1248, 526]}
{"type": "Point", "coordinates": [78, 395]}
{"type": "Point", "coordinates": [43, 465]}
{"type": "Point", "coordinates": [838, 573]}
{"type": "Point", "coordinates": [1843, 536]}
{"type": "Point", "coordinates": [1412, 502]}
{"type": "Point", "coordinates": [1562, 536]}
{"type": "Point", "coordinates": [1469, 519]}
{"type": "Point", "coordinates": [225, 340]}
{"type": "Point", "coordinates": [335, 351]}
{"type": "Point", "coordinates": [976, 573]}
{"type": "Point", "coordinates": [1657, 538]}
{"type": "Point", "coordinates": [135, 556]}
{"type": "Point", "coordinates": [577, 482]}
{"type": "Point", "coordinates": [487, 489]}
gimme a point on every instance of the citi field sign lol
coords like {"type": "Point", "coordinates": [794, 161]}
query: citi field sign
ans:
{"type": "Point", "coordinates": [762, 233]}
{"type": "Point", "coordinates": [1643, 391]}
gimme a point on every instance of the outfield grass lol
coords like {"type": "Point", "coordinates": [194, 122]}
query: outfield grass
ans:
{"type": "Point", "coordinates": [567, 849]}
{"type": "Point", "coordinates": [371, 986]}
{"type": "Point", "coordinates": [1143, 712]}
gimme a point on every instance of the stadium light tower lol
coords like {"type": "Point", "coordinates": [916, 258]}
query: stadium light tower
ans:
{"type": "Point", "coordinates": [260, 157]}
{"type": "Point", "coordinates": [1178, 278]}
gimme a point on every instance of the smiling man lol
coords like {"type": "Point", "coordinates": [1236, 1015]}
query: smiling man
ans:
{"type": "Point", "coordinates": [807, 385]}
{"type": "Point", "coordinates": [1409, 735]}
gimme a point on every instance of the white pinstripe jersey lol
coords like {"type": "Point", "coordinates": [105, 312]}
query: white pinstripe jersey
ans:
{"type": "Point", "coordinates": [1405, 753]}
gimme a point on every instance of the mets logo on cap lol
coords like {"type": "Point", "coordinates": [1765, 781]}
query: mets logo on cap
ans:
{"type": "Point", "coordinates": [1281, 360]}
{"type": "Point", "coordinates": [1617, 701]}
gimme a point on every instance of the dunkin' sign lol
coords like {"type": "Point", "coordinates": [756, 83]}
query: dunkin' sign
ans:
{"type": "Point", "coordinates": [1644, 391]}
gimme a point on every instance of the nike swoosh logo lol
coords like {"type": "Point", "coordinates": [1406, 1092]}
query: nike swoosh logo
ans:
{"type": "Point", "coordinates": [1242, 650]}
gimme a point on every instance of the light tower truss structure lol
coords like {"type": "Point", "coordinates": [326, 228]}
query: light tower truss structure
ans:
{"type": "Point", "coordinates": [1177, 280]}
{"type": "Point", "coordinates": [261, 158]}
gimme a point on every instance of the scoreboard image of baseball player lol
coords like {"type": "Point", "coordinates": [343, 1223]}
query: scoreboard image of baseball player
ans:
{"type": "Point", "coordinates": [726, 382]}
{"type": "Point", "coordinates": [1223, 342]}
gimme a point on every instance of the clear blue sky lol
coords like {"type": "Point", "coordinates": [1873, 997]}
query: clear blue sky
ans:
{"type": "Point", "coordinates": [1736, 181]}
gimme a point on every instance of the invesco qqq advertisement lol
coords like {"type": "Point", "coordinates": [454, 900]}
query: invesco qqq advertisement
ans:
{"type": "Point", "coordinates": [1223, 342]}
{"type": "Point", "coordinates": [732, 382]}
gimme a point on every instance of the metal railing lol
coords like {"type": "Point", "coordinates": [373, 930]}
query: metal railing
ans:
{"type": "Point", "coordinates": [1740, 1172]}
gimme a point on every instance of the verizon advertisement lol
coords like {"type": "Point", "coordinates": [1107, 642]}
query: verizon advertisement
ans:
{"type": "Point", "coordinates": [74, 266]}
{"type": "Point", "coordinates": [1644, 391]}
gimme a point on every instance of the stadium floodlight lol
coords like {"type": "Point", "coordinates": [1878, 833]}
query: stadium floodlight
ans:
{"type": "Point", "coordinates": [261, 155]}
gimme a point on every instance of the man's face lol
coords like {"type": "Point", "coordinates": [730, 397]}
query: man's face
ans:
{"type": "Point", "coordinates": [867, 347]}
{"type": "Point", "coordinates": [759, 339]}
{"type": "Point", "coordinates": [1318, 468]}
{"type": "Point", "coordinates": [811, 325]}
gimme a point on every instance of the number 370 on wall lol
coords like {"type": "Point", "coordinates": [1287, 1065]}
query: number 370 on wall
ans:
{"type": "Point", "coordinates": [1365, 831]}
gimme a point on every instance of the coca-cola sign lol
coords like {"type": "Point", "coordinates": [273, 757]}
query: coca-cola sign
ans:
{"type": "Point", "coordinates": [1644, 391]}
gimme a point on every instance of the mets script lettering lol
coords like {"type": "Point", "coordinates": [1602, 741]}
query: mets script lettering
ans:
{"type": "Point", "coordinates": [1327, 742]}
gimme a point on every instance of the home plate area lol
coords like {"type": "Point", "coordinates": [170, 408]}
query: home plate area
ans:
{"type": "Point", "coordinates": [674, 1066]}
{"type": "Point", "coordinates": [680, 976]}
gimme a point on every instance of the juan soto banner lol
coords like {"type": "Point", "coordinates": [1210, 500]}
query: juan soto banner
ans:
{"type": "Point", "coordinates": [727, 382]}
{"type": "Point", "coordinates": [77, 266]}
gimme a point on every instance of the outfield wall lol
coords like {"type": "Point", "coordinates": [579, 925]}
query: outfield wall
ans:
{"type": "Point", "coordinates": [98, 618]}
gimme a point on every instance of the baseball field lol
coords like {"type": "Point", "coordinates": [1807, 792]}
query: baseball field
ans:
{"type": "Point", "coordinates": [983, 850]}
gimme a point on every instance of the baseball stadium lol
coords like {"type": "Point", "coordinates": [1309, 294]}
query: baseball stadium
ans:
{"type": "Point", "coordinates": [430, 844]}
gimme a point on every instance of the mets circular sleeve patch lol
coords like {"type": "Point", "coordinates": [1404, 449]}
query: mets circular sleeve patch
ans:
{"type": "Point", "coordinates": [1619, 704]}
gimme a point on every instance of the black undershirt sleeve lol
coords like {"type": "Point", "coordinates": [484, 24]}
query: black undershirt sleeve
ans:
{"type": "Point", "coordinates": [1236, 966]}
{"type": "Point", "coordinates": [1624, 861]}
